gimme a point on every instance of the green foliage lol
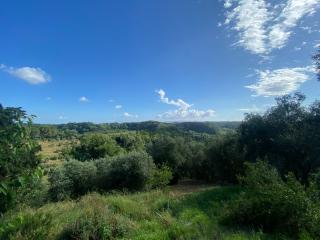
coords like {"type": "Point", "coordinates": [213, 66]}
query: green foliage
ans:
{"type": "Point", "coordinates": [169, 151]}
{"type": "Point", "coordinates": [274, 205]}
{"type": "Point", "coordinates": [131, 171]}
{"type": "Point", "coordinates": [191, 224]}
{"type": "Point", "coordinates": [18, 153]}
{"type": "Point", "coordinates": [32, 190]}
{"type": "Point", "coordinates": [72, 179]}
{"type": "Point", "coordinates": [96, 223]}
{"type": "Point", "coordinates": [26, 226]}
{"type": "Point", "coordinates": [260, 174]}
{"type": "Point", "coordinates": [147, 215]}
{"type": "Point", "coordinates": [95, 146]}
{"type": "Point", "coordinates": [161, 177]}
{"type": "Point", "coordinates": [222, 162]}
{"type": "Point", "coordinates": [288, 136]}
{"type": "Point", "coordinates": [130, 141]}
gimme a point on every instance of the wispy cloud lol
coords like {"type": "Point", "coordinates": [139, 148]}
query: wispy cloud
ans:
{"type": "Point", "coordinates": [184, 110]}
{"type": "Point", "coordinates": [291, 14]}
{"type": "Point", "coordinates": [250, 18]}
{"type": "Point", "coordinates": [83, 99]}
{"type": "Point", "coordinates": [61, 117]}
{"type": "Point", "coordinates": [31, 75]}
{"type": "Point", "coordinates": [263, 27]}
{"type": "Point", "coordinates": [129, 115]}
{"type": "Point", "coordinates": [118, 107]}
{"type": "Point", "coordinates": [280, 81]}
{"type": "Point", "coordinates": [253, 108]}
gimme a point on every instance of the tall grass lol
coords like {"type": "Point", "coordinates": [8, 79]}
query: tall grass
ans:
{"type": "Point", "coordinates": [157, 215]}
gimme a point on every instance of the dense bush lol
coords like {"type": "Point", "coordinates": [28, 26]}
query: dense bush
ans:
{"type": "Point", "coordinates": [72, 179]}
{"type": "Point", "coordinates": [222, 160]}
{"type": "Point", "coordinates": [161, 177]}
{"type": "Point", "coordinates": [94, 146]}
{"type": "Point", "coordinates": [274, 205]}
{"type": "Point", "coordinates": [131, 171]}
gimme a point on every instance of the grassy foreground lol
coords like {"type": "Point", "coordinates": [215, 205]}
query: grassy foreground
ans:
{"type": "Point", "coordinates": [181, 212]}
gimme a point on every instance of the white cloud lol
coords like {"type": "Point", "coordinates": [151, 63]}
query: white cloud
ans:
{"type": "Point", "coordinates": [118, 107]}
{"type": "Point", "coordinates": [288, 19]}
{"type": "Point", "coordinates": [48, 98]}
{"type": "Point", "coordinates": [254, 108]}
{"type": "Point", "coordinates": [281, 81]}
{"type": "Point", "coordinates": [188, 115]}
{"type": "Point", "coordinates": [129, 115]}
{"type": "Point", "coordinates": [183, 111]}
{"type": "Point", "coordinates": [83, 99]}
{"type": "Point", "coordinates": [29, 74]}
{"type": "Point", "coordinates": [263, 27]}
{"type": "Point", "coordinates": [250, 18]}
{"type": "Point", "coordinates": [228, 3]}
{"type": "Point", "coordinates": [62, 117]}
{"type": "Point", "coordinates": [179, 102]}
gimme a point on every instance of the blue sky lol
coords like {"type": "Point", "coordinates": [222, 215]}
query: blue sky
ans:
{"type": "Point", "coordinates": [167, 60]}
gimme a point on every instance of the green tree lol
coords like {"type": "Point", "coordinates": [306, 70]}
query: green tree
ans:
{"type": "Point", "coordinates": [171, 152]}
{"type": "Point", "coordinates": [95, 146]}
{"type": "Point", "coordinates": [130, 141]}
{"type": "Point", "coordinates": [18, 153]}
{"type": "Point", "coordinates": [222, 162]}
{"type": "Point", "coordinates": [287, 135]}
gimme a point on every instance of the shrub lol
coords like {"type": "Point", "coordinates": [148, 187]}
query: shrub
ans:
{"type": "Point", "coordinates": [161, 177]}
{"type": "Point", "coordinates": [103, 180]}
{"type": "Point", "coordinates": [131, 171]}
{"type": "Point", "coordinates": [223, 160]}
{"type": "Point", "coordinates": [72, 179]}
{"type": "Point", "coordinates": [274, 205]}
{"type": "Point", "coordinates": [94, 146]}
